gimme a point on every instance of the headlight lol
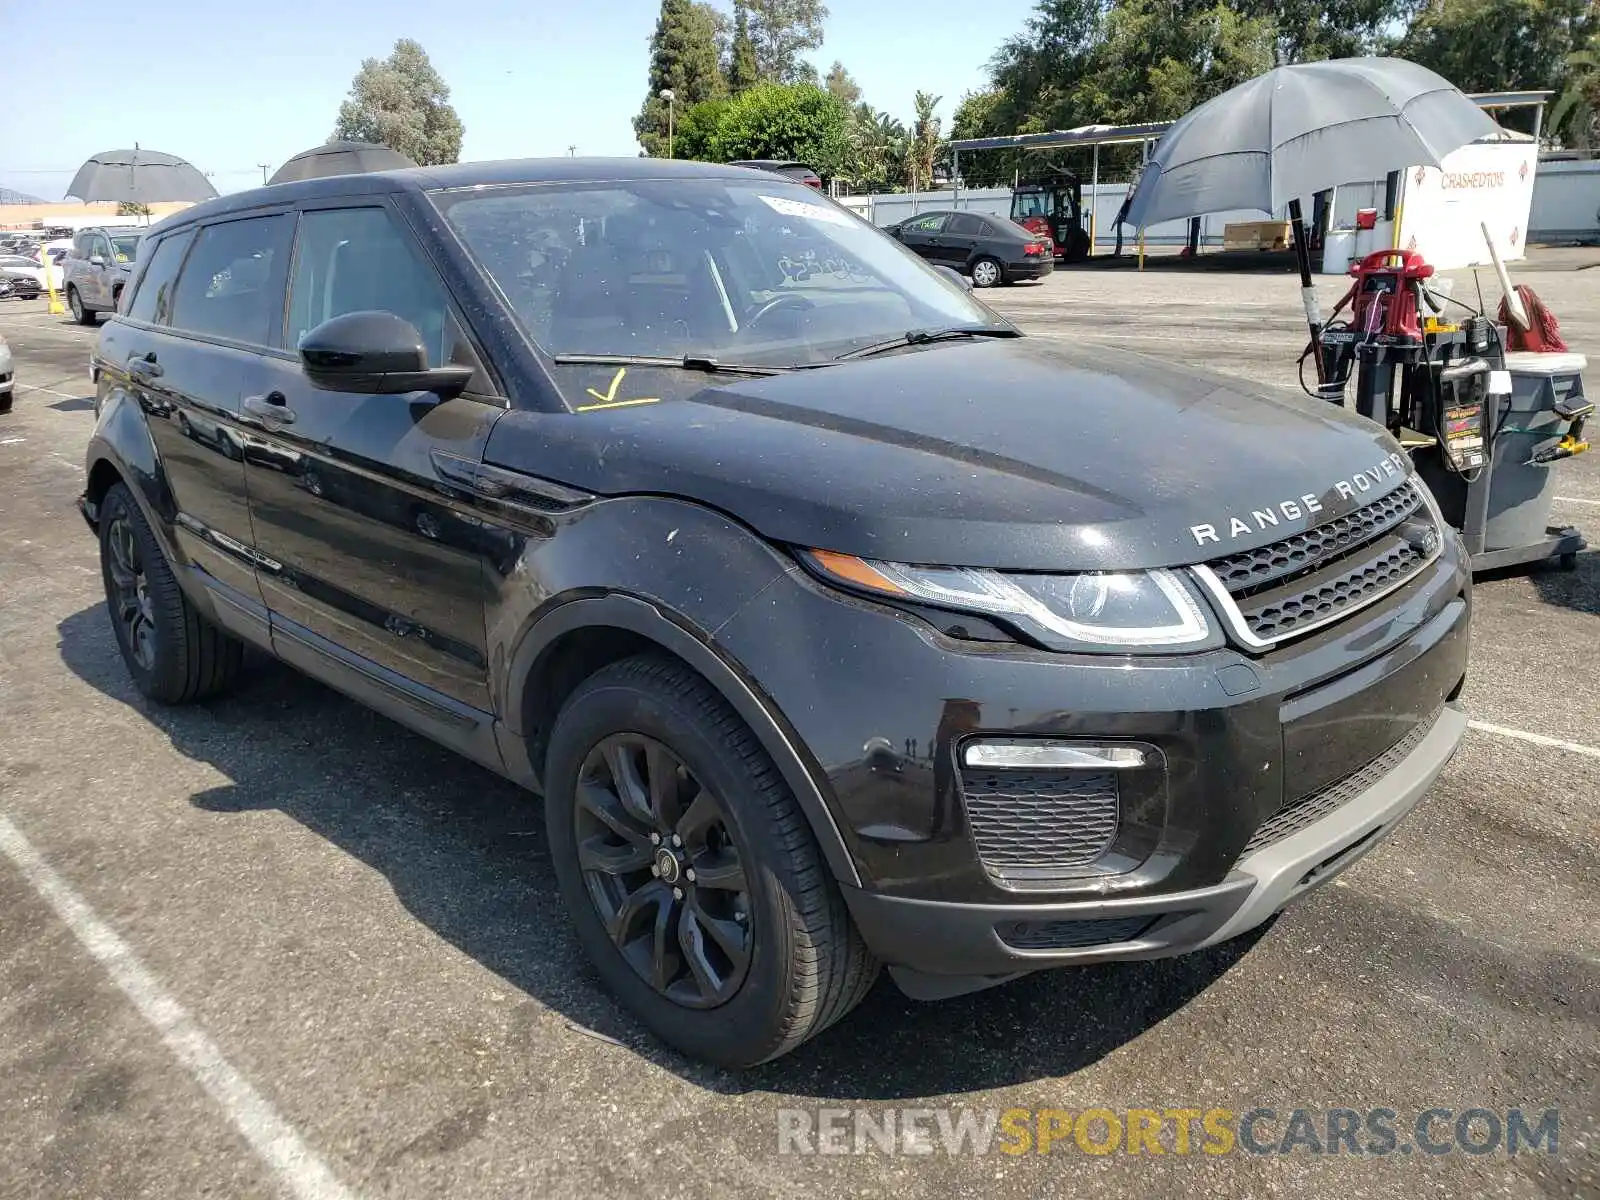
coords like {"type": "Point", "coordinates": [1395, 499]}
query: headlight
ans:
{"type": "Point", "coordinates": [1117, 611]}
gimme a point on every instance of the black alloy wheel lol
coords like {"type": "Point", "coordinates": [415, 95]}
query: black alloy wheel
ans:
{"type": "Point", "coordinates": [663, 870]}
{"type": "Point", "coordinates": [131, 605]}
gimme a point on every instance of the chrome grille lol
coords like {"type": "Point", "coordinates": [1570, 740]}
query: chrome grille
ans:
{"type": "Point", "coordinates": [1280, 613]}
{"type": "Point", "coordinates": [1314, 578]}
{"type": "Point", "coordinates": [1039, 821]}
{"type": "Point", "coordinates": [1297, 814]}
{"type": "Point", "coordinates": [1248, 570]}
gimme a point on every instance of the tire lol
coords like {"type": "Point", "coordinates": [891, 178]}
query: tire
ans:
{"type": "Point", "coordinates": [6, 400]}
{"type": "Point", "coordinates": [173, 654]}
{"type": "Point", "coordinates": [987, 272]}
{"type": "Point", "coordinates": [804, 965]}
{"type": "Point", "coordinates": [81, 313]}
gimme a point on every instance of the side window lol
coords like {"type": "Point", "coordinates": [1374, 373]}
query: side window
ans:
{"type": "Point", "coordinates": [356, 259]}
{"type": "Point", "coordinates": [986, 229]}
{"type": "Point", "coordinates": [231, 287]}
{"type": "Point", "coordinates": [101, 245]}
{"type": "Point", "coordinates": [80, 245]}
{"type": "Point", "coordinates": [965, 224]}
{"type": "Point", "coordinates": [153, 301]}
{"type": "Point", "coordinates": [926, 224]}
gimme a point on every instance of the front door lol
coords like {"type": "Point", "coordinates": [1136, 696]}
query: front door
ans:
{"type": "Point", "coordinates": [97, 291]}
{"type": "Point", "coordinates": [366, 557]}
{"type": "Point", "coordinates": [922, 235]}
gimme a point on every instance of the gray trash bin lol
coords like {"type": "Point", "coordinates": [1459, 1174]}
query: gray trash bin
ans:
{"type": "Point", "coordinates": [1521, 492]}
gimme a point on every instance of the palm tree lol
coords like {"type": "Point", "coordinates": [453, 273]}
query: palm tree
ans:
{"type": "Point", "coordinates": [878, 144]}
{"type": "Point", "coordinates": [1580, 99]}
{"type": "Point", "coordinates": [924, 141]}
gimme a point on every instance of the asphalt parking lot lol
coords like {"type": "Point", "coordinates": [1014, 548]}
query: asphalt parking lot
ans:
{"type": "Point", "coordinates": [279, 946]}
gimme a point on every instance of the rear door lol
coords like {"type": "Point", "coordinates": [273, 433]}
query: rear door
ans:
{"type": "Point", "coordinates": [370, 565]}
{"type": "Point", "coordinates": [202, 314]}
{"type": "Point", "coordinates": [97, 289]}
{"type": "Point", "coordinates": [960, 242]}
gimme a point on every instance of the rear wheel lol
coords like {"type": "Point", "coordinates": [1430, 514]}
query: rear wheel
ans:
{"type": "Point", "coordinates": [173, 654]}
{"type": "Point", "coordinates": [692, 878]}
{"type": "Point", "coordinates": [986, 273]}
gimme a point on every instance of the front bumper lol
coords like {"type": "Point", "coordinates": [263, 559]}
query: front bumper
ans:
{"type": "Point", "coordinates": [931, 938]}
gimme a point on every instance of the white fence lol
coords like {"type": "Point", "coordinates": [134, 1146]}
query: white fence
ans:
{"type": "Point", "coordinates": [1566, 207]}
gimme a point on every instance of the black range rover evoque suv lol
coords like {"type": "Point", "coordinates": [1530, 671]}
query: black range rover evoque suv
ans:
{"type": "Point", "coordinates": [837, 623]}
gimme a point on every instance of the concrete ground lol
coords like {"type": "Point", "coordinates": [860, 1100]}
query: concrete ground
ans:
{"type": "Point", "coordinates": [279, 946]}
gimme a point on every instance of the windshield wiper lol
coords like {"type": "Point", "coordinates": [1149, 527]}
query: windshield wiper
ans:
{"type": "Point", "coordinates": [688, 362]}
{"type": "Point", "coordinates": [921, 337]}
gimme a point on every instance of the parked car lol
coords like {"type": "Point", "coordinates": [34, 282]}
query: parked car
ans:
{"type": "Point", "coordinates": [836, 622]}
{"type": "Point", "coordinates": [96, 270]}
{"type": "Point", "coordinates": [22, 277]}
{"type": "Point", "coordinates": [992, 250]}
{"type": "Point", "coordinates": [8, 378]}
{"type": "Point", "coordinates": [797, 171]}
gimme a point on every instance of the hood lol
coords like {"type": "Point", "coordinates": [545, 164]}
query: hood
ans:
{"type": "Point", "coordinates": [1023, 454]}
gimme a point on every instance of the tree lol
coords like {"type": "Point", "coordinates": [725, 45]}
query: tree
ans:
{"type": "Point", "coordinates": [401, 102]}
{"type": "Point", "coordinates": [132, 208]}
{"type": "Point", "coordinates": [1306, 30]}
{"type": "Point", "coordinates": [924, 142]}
{"type": "Point", "coordinates": [877, 161]}
{"type": "Point", "coordinates": [983, 114]}
{"type": "Point", "coordinates": [780, 31]}
{"type": "Point", "coordinates": [798, 121]}
{"type": "Point", "coordinates": [1504, 45]}
{"type": "Point", "coordinates": [842, 86]}
{"type": "Point", "coordinates": [683, 59]}
{"type": "Point", "coordinates": [743, 72]}
{"type": "Point", "coordinates": [1579, 102]}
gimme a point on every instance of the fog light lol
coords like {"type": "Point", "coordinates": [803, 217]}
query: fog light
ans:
{"type": "Point", "coordinates": [1051, 756]}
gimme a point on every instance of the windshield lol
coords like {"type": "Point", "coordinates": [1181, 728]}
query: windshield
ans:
{"type": "Point", "coordinates": [759, 272]}
{"type": "Point", "coordinates": [126, 247]}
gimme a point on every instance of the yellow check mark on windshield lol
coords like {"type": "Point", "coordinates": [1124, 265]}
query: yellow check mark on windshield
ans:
{"type": "Point", "coordinates": [609, 400]}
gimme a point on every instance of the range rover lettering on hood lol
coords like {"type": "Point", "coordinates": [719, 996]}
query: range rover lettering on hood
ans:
{"type": "Point", "coordinates": [1296, 507]}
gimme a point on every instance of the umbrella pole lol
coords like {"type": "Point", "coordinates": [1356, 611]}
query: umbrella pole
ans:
{"type": "Point", "coordinates": [1308, 289]}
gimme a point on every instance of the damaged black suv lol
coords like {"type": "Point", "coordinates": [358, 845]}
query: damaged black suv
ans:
{"type": "Point", "coordinates": [838, 624]}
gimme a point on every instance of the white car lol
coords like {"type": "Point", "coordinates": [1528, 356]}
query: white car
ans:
{"type": "Point", "coordinates": [20, 267]}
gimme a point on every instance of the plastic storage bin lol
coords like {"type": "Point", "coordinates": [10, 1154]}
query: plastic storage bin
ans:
{"type": "Point", "coordinates": [1521, 493]}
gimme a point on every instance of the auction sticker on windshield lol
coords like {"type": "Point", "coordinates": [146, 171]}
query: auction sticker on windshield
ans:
{"type": "Point", "coordinates": [799, 208]}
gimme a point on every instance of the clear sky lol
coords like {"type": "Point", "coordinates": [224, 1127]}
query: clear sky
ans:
{"type": "Point", "coordinates": [228, 84]}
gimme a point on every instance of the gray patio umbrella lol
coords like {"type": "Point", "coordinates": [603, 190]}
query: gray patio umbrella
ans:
{"type": "Point", "coordinates": [1302, 129]}
{"type": "Point", "coordinates": [340, 158]}
{"type": "Point", "coordinates": [139, 177]}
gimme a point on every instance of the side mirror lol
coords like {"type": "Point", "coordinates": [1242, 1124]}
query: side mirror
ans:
{"type": "Point", "coordinates": [97, 260]}
{"type": "Point", "coordinates": [376, 353]}
{"type": "Point", "coordinates": [965, 283]}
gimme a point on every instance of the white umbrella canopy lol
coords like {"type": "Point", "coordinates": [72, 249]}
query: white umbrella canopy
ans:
{"type": "Point", "coordinates": [1302, 129]}
{"type": "Point", "coordinates": [139, 177]}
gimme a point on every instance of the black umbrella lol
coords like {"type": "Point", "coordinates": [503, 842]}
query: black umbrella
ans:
{"type": "Point", "coordinates": [340, 158]}
{"type": "Point", "coordinates": [139, 177]}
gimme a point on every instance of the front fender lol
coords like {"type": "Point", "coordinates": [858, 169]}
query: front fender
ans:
{"type": "Point", "coordinates": [669, 571]}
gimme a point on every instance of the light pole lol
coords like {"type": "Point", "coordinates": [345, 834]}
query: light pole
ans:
{"type": "Point", "coordinates": [669, 96]}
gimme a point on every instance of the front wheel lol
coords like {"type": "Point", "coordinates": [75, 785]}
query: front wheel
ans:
{"type": "Point", "coordinates": [80, 314]}
{"type": "Point", "coordinates": [693, 880]}
{"type": "Point", "coordinates": [172, 653]}
{"type": "Point", "coordinates": [986, 273]}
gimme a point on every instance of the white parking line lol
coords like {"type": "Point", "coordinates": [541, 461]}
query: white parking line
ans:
{"type": "Point", "coordinates": [34, 387]}
{"type": "Point", "coordinates": [1538, 739]}
{"type": "Point", "coordinates": [1576, 500]}
{"type": "Point", "coordinates": [11, 441]}
{"type": "Point", "coordinates": [294, 1163]}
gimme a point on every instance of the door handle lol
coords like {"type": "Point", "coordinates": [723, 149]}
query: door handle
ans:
{"type": "Point", "coordinates": [271, 409]}
{"type": "Point", "coordinates": [144, 366]}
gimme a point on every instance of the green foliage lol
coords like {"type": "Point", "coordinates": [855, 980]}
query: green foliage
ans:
{"type": "Point", "coordinates": [780, 32]}
{"type": "Point", "coordinates": [786, 121]}
{"type": "Point", "coordinates": [1576, 108]}
{"type": "Point", "coordinates": [401, 102]}
{"type": "Point", "coordinates": [1501, 45]}
{"type": "Point", "coordinates": [684, 59]}
{"type": "Point", "coordinates": [878, 143]}
{"type": "Point", "coordinates": [132, 208]}
{"type": "Point", "coordinates": [743, 72]}
{"type": "Point", "coordinates": [924, 146]}
{"type": "Point", "coordinates": [841, 85]}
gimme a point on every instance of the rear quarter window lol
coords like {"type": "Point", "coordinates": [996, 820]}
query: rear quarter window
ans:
{"type": "Point", "coordinates": [153, 300]}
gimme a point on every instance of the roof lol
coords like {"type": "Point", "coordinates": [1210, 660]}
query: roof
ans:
{"type": "Point", "coordinates": [1110, 135]}
{"type": "Point", "coordinates": [495, 173]}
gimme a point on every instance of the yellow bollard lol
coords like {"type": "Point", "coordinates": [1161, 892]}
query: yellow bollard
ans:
{"type": "Point", "coordinates": [1141, 247]}
{"type": "Point", "coordinates": [56, 308]}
